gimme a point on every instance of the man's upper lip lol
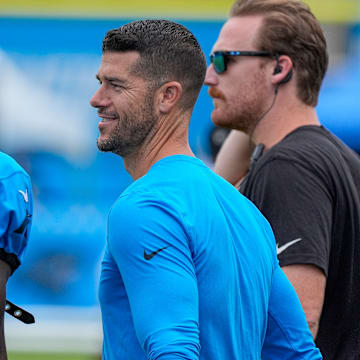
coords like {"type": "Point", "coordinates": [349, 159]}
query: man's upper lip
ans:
{"type": "Point", "coordinates": [105, 116]}
{"type": "Point", "coordinates": [211, 93]}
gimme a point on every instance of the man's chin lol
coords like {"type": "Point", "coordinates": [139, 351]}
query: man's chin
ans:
{"type": "Point", "coordinates": [220, 121]}
{"type": "Point", "coordinates": [104, 146]}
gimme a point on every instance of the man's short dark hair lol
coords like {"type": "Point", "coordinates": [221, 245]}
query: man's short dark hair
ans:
{"type": "Point", "coordinates": [168, 52]}
{"type": "Point", "coordinates": [290, 28]}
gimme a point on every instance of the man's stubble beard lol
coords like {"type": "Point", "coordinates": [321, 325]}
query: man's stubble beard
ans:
{"type": "Point", "coordinates": [244, 112]}
{"type": "Point", "coordinates": [242, 115]}
{"type": "Point", "coordinates": [131, 131]}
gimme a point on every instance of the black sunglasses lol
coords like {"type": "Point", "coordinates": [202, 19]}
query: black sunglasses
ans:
{"type": "Point", "coordinates": [220, 58]}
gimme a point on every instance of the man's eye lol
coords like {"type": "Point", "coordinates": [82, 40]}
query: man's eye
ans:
{"type": "Point", "coordinates": [116, 86]}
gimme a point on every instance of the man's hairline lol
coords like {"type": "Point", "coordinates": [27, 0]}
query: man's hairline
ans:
{"type": "Point", "coordinates": [262, 16]}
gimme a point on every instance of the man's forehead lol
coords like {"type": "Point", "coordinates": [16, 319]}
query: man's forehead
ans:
{"type": "Point", "coordinates": [239, 33]}
{"type": "Point", "coordinates": [116, 61]}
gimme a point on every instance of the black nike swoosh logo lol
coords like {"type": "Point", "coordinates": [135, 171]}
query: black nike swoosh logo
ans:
{"type": "Point", "coordinates": [151, 255]}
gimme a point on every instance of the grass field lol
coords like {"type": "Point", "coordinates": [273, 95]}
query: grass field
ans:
{"type": "Point", "coordinates": [50, 356]}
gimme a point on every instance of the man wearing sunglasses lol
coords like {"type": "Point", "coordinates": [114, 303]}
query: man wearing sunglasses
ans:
{"type": "Point", "coordinates": [266, 70]}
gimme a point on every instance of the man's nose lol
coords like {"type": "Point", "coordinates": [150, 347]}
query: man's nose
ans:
{"type": "Point", "coordinates": [99, 99]}
{"type": "Point", "coordinates": [211, 78]}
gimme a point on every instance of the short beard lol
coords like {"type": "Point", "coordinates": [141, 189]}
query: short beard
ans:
{"type": "Point", "coordinates": [244, 120]}
{"type": "Point", "coordinates": [245, 114]}
{"type": "Point", "coordinates": [131, 131]}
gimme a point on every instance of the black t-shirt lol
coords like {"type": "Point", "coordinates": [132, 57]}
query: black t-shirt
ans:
{"type": "Point", "coordinates": [308, 187]}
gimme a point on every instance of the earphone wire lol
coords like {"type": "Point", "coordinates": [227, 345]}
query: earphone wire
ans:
{"type": "Point", "coordinates": [261, 117]}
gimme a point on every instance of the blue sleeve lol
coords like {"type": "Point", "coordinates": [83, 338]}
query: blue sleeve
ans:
{"type": "Point", "coordinates": [150, 245]}
{"type": "Point", "coordinates": [16, 207]}
{"type": "Point", "coordinates": [287, 336]}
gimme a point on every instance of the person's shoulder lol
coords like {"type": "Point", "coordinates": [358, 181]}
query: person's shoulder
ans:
{"type": "Point", "coordinates": [145, 193]}
{"type": "Point", "coordinates": [142, 206]}
{"type": "Point", "coordinates": [172, 174]}
{"type": "Point", "coordinates": [178, 166]}
{"type": "Point", "coordinates": [168, 185]}
{"type": "Point", "coordinates": [303, 144]}
{"type": "Point", "coordinates": [303, 148]}
{"type": "Point", "coordinates": [9, 167]}
{"type": "Point", "coordinates": [311, 143]}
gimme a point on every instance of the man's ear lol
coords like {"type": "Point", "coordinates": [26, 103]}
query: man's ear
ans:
{"type": "Point", "coordinates": [283, 70]}
{"type": "Point", "coordinates": [167, 96]}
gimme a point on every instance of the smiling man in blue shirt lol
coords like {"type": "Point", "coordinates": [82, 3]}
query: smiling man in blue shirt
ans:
{"type": "Point", "coordinates": [190, 268]}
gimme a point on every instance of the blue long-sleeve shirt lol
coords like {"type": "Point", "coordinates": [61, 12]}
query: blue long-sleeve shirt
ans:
{"type": "Point", "coordinates": [190, 272]}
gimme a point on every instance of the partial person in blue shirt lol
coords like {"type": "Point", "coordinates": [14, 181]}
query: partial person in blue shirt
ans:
{"type": "Point", "coordinates": [190, 268]}
{"type": "Point", "coordinates": [16, 208]}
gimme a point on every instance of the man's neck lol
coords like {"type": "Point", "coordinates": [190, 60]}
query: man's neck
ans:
{"type": "Point", "coordinates": [280, 123]}
{"type": "Point", "coordinates": [170, 137]}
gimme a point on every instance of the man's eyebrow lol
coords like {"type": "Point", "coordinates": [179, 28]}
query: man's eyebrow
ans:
{"type": "Point", "coordinates": [110, 79]}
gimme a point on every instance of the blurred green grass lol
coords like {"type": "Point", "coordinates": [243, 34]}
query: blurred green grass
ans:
{"type": "Point", "coordinates": [50, 356]}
